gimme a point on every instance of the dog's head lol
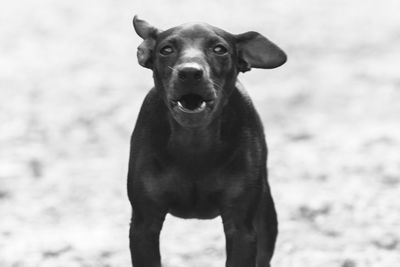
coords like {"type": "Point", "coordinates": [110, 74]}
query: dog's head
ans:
{"type": "Point", "coordinates": [196, 65]}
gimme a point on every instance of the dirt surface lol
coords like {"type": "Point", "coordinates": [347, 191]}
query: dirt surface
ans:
{"type": "Point", "coordinates": [70, 90]}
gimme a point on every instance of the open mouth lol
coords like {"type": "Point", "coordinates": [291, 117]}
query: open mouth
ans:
{"type": "Point", "coordinates": [191, 103]}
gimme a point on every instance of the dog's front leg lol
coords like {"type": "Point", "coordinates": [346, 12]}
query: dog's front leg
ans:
{"type": "Point", "coordinates": [144, 237]}
{"type": "Point", "coordinates": [240, 237]}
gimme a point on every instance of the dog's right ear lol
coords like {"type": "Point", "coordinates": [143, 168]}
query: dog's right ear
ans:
{"type": "Point", "coordinates": [149, 35]}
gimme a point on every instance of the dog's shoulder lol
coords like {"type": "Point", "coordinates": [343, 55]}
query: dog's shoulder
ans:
{"type": "Point", "coordinates": [152, 97]}
{"type": "Point", "coordinates": [243, 92]}
{"type": "Point", "coordinates": [152, 110]}
{"type": "Point", "coordinates": [244, 102]}
{"type": "Point", "coordinates": [247, 111]}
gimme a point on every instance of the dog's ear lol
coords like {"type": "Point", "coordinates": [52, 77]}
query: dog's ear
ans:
{"type": "Point", "coordinates": [149, 35]}
{"type": "Point", "coordinates": [256, 51]}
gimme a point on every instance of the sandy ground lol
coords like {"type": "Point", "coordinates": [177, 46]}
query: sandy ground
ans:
{"type": "Point", "coordinates": [70, 90]}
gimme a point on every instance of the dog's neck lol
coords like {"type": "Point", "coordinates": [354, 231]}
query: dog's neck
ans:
{"type": "Point", "coordinates": [194, 141]}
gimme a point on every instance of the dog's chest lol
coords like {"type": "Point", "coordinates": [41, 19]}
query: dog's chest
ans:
{"type": "Point", "coordinates": [194, 200]}
{"type": "Point", "coordinates": [187, 194]}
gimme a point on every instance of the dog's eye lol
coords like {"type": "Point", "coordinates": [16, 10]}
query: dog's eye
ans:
{"type": "Point", "coordinates": [220, 49]}
{"type": "Point", "coordinates": [166, 50]}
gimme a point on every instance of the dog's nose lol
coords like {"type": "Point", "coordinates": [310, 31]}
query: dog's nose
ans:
{"type": "Point", "coordinates": [190, 74]}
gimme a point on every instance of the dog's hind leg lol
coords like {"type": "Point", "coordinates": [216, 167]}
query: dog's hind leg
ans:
{"type": "Point", "coordinates": [266, 227]}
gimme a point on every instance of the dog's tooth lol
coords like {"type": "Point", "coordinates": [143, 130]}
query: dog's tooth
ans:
{"type": "Point", "coordinates": [202, 107]}
{"type": "Point", "coordinates": [180, 104]}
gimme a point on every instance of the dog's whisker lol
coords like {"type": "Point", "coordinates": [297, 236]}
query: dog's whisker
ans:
{"type": "Point", "coordinates": [172, 68]}
{"type": "Point", "coordinates": [216, 85]}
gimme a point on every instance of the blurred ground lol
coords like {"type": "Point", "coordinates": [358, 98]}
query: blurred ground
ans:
{"type": "Point", "coordinates": [70, 90]}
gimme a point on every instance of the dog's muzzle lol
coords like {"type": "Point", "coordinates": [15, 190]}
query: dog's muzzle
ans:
{"type": "Point", "coordinates": [193, 91]}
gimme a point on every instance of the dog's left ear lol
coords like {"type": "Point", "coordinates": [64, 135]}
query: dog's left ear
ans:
{"type": "Point", "coordinates": [149, 35]}
{"type": "Point", "coordinates": [256, 51]}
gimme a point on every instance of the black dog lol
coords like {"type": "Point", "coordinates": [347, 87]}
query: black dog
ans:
{"type": "Point", "coordinates": [198, 148]}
